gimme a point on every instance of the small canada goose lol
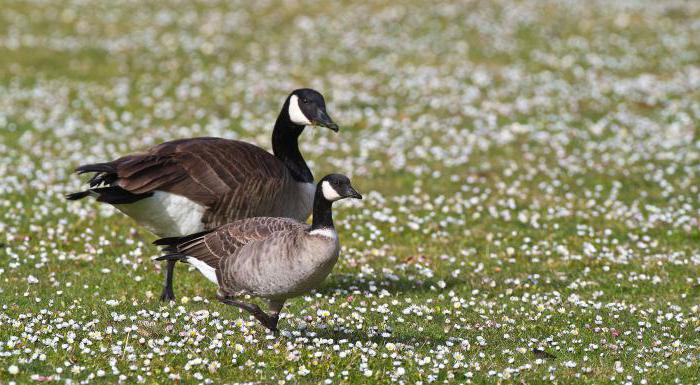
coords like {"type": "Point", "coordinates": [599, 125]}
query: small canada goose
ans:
{"type": "Point", "coordinates": [190, 185]}
{"type": "Point", "coordinates": [270, 258]}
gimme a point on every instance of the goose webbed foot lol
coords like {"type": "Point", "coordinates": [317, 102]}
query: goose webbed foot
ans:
{"type": "Point", "coordinates": [268, 321]}
{"type": "Point", "coordinates": [275, 309]}
{"type": "Point", "coordinates": [273, 319]}
{"type": "Point", "coordinates": [167, 294]}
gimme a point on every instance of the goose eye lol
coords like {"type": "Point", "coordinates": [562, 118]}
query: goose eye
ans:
{"type": "Point", "coordinates": [305, 100]}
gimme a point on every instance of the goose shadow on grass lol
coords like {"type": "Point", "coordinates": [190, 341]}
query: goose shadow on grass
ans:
{"type": "Point", "coordinates": [348, 284]}
{"type": "Point", "coordinates": [424, 338]}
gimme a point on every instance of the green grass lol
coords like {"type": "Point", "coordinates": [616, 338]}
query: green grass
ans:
{"type": "Point", "coordinates": [530, 172]}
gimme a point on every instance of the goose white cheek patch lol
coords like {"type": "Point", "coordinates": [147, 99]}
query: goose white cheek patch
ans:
{"type": "Point", "coordinates": [329, 192]}
{"type": "Point", "coordinates": [295, 113]}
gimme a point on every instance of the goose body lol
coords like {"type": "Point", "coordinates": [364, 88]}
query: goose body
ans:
{"type": "Point", "coordinates": [191, 185]}
{"type": "Point", "coordinates": [282, 266]}
{"type": "Point", "coordinates": [271, 258]}
{"type": "Point", "coordinates": [217, 181]}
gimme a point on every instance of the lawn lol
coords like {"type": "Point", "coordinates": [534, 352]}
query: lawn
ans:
{"type": "Point", "coordinates": [531, 173]}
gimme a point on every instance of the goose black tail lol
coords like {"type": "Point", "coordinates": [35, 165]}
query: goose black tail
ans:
{"type": "Point", "coordinates": [105, 173]}
{"type": "Point", "coordinates": [172, 257]}
{"type": "Point", "coordinates": [77, 195]}
{"type": "Point", "coordinates": [112, 194]}
{"type": "Point", "coordinates": [96, 167]}
{"type": "Point", "coordinates": [171, 243]}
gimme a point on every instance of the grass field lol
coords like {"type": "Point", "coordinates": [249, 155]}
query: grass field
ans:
{"type": "Point", "coordinates": [531, 172]}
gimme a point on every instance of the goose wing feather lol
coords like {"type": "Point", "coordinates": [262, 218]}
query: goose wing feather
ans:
{"type": "Point", "coordinates": [203, 170]}
{"type": "Point", "coordinates": [224, 242]}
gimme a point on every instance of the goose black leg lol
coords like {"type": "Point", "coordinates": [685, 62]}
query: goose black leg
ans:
{"type": "Point", "coordinates": [266, 320]}
{"type": "Point", "coordinates": [167, 294]}
{"type": "Point", "coordinates": [275, 308]}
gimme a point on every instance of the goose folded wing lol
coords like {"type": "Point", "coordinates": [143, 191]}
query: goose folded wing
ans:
{"type": "Point", "coordinates": [225, 241]}
{"type": "Point", "coordinates": [205, 170]}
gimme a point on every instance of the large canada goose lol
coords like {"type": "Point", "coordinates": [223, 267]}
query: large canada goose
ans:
{"type": "Point", "coordinates": [270, 258]}
{"type": "Point", "coordinates": [190, 185]}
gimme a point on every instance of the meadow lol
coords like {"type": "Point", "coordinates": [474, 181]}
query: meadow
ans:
{"type": "Point", "coordinates": [530, 170]}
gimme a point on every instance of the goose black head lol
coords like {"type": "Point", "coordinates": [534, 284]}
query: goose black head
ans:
{"type": "Point", "coordinates": [334, 187]}
{"type": "Point", "coordinates": [307, 107]}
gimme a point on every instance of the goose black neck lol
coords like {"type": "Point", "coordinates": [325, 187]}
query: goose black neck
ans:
{"type": "Point", "coordinates": [322, 215]}
{"type": "Point", "coordinates": [285, 146]}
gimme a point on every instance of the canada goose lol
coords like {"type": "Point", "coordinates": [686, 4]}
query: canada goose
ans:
{"type": "Point", "coordinates": [271, 258]}
{"type": "Point", "coordinates": [190, 185]}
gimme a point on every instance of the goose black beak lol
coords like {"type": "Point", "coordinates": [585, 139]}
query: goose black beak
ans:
{"type": "Point", "coordinates": [322, 119]}
{"type": "Point", "coordinates": [354, 194]}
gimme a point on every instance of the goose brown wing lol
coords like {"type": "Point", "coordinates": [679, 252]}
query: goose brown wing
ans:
{"type": "Point", "coordinates": [223, 242]}
{"type": "Point", "coordinates": [205, 170]}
